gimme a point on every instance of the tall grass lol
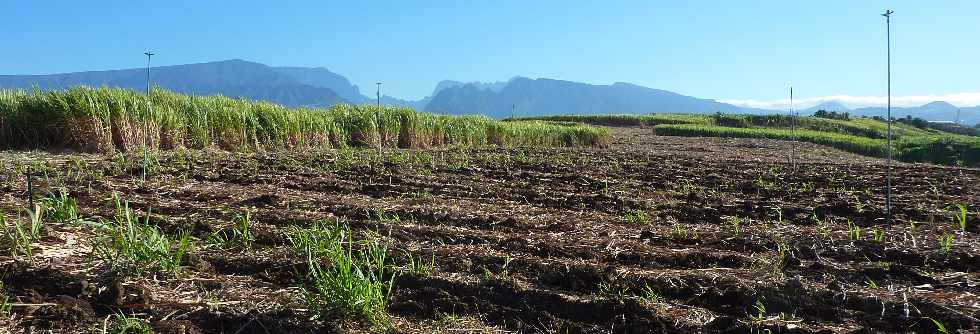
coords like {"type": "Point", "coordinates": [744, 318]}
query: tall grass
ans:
{"type": "Point", "coordinates": [113, 119]}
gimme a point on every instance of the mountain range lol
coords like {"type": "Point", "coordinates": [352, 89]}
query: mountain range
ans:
{"type": "Point", "coordinates": [519, 96]}
{"type": "Point", "coordinates": [932, 111]}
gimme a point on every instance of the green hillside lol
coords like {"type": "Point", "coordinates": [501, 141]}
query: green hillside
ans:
{"type": "Point", "coordinates": [865, 136]}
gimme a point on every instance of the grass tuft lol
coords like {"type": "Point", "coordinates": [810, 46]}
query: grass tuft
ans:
{"type": "Point", "coordinates": [130, 246]}
{"type": "Point", "coordinates": [240, 235]}
{"type": "Point", "coordinates": [345, 277]}
{"type": "Point", "coordinates": [4, 302]}
{"type": "Point", "coordinates": [60, 207]}
{"type": "Point", "coordinates": [637, 217]}
{"type": "Point", "coordinates": [123, 324]}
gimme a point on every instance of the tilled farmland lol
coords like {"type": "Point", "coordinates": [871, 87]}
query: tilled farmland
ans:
{"type": "Point", "coordinates": [650, 234]}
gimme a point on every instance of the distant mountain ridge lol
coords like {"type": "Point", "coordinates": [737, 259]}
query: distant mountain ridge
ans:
{"type": "Point", "coordinates": [535, 97]}
{"type": "Point", "coordinates": [827, 106]}
{"type": "Point", "coordinates": [233, 78]}
{"type": "Point", "coordinates": [932, 111]}
{"type": "Point", "coordinates": [318, 86]}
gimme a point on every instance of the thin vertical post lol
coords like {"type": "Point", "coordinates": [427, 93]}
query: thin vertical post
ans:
{"type": "Point", "coordinates": [888, 38]}
{"type": "Point", "coordinates": [146, 122]}
{"type": "Point", "coordinates": [30, 187]}
{"type": "Point", "coordinates": [377, 119]}
{"type": "Point", "coordinates": [792, 114]}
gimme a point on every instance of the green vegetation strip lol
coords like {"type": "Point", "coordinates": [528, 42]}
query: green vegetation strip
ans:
{"type": "Point", "coordinates": [113, 119]}
{"type": "Point", "coordinates": [948, 149]}
{"type": "Point", "coordinates": [627, 120]}
{"type": "Point", "coordinates": [867, 136]}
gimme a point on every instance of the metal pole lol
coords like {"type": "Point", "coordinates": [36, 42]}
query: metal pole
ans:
{"type": "Point", "coordinates": [146, 124]}
{"type": "Point", "coordinates": [377, 120]}
{"type": "Point", "coordinates": [888, 191]}
{"type": "Point", "coordinates": [792, 157]}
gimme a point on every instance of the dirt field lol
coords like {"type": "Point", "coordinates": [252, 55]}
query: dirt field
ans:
{"type": "Point", "coordinates": [653, 234]}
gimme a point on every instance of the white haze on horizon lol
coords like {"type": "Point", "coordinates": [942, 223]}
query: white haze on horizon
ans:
{"type": "Point", "coordinates": [962, 100]}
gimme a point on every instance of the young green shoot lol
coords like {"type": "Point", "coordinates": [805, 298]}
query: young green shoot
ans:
{"type": "Point", "coordinates": [341, 278]}
{"type": "Point", "coordinates": [418, 266]}
{"type": "Point", "coordinates": [637, 217]}
{"type": "Point", "coordinates": [946, 243]}
{"type": "Point", "coordinates": [760, 311]}
{"type": "Point", "coordinates": [877, 235]}
{"type": "Point", "coordinates": [853, 231]}
{"type": "Point", "coordinates": [960, 216]}
{"type": "Point", "coordinates": [871, 283]}
{"type": "Point", "coordinates": [240, 235]}
{"type": "Point", "coordinates": [131, 246]}
{"type": "Point", "coordinates": [735, 225]}
{"type": "Point", "coordinates": [60, 207]}
{"type": "Point", "coordinates": [649, 295]}
{"type": "Point", "coordinates": [940, 327]}
{"type": "Point", "coordinates": [123, 324]}
{"type": "Point", "coordinates": [4, 301]}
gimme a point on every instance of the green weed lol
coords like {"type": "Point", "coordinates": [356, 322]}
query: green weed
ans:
{"type": "Point", "coordinates": [60, 207]}
{"type": "Point", "coordinates": [240, 234]}
{"type": "Point", "coordinates": [4, 301]}
{"type": "Point", "coordinates": [871, 283]}
{"type": "Point", "coordinates": [649, 295]}
{"type": "Point", "coordinates": [960, 216]}
{"type": "Point", "coordinates": [123, 324]}
{"type": "Point", "coordinates": [853, 231]}
{"type": "Point", "coordinates": [877, 235]}
{"type": "Point", "coordinates": [130, 246]}
{"type": "Point", "coordinates": [940, 327]}
{"type": "Point", "coordinates": [20, 237]}
{"type": "Point", "coordinates": [760, 311]}
{"type": "Point", "coordinates": [341, 278]}
{"type": "Point", "coordinates": [638, 217]}
{"type": "Point", "coordinates": [735, 225]}
{"type": "Point", "coordinates": [946, 243]}
{"type": "Point", "coordinates": [418, 265]}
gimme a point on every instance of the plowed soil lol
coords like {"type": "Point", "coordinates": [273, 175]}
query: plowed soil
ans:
{"type": "Point", "coordinates": [652, 234]}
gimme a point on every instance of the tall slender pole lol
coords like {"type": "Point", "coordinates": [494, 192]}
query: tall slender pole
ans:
{"type": "Point", "coordinates": [377, 119]}
{"type": "Point", "coordinates": [792, 115]}
{"type": "Point", "coordinates": [888, 36]}
{"type": "Point", "coordinates": [146, 124]}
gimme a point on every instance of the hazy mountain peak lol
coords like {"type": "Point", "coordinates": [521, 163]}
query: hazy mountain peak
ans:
{"type": "Point", "coordinates": [233, 78]}
{"type": "Point", "coordinates": [828, 106]}
{"type": "Point", "coordinates": [530, 97]}
{"type": "Point", "coordinates": [323, 77]}
{"type": "Point", "coordinates": [939, 104]}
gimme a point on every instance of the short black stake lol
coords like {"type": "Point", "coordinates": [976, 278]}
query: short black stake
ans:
{"type": "Point", "coordinates": [30, 187]}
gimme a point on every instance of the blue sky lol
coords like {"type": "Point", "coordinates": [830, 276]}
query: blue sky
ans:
{"type": "Point", "coordinates": [745, 52]}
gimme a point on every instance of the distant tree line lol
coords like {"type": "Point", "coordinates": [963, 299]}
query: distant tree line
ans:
{"type": "Point", "coordinates": [948, 127]}
{"type": "Point", "coordinates": [832, 115]}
